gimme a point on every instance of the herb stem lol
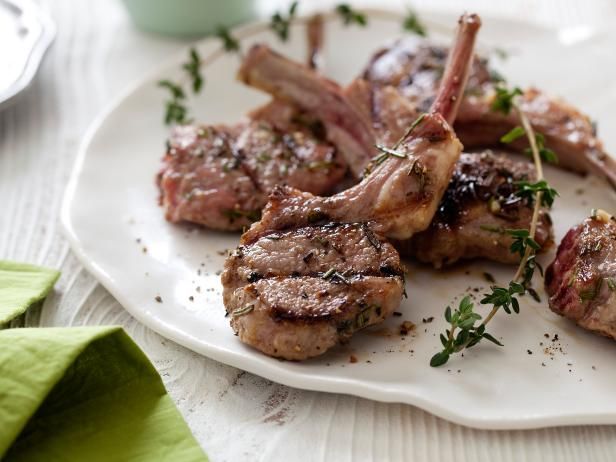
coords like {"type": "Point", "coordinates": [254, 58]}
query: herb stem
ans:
{"type": "Point", "coordinates": [532, 139]}
{"type": "Point", "coordinates": [503, 297]}
{"type": "Point", "coordinates": [490, 315]}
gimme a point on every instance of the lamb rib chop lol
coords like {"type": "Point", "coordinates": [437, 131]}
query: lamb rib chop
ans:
{"type": "Point", "coordinates": [219, 176]}
{"type": "Point", "coordinates": [416, 67]}
{"type": "Point", "coordinates": [303, 87]}
{"type": "Point", "coordinates": [479, 204]}
{"type": "Point", "coordinates": [314, 270]}
{"type": "Point", "coordinates": [581, 281]}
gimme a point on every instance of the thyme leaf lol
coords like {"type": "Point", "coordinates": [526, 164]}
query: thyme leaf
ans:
{"type": "Point", "coordinates": [512, 135]}
{"type": "Point", "coordinates": [242, 311]}
{"type": "Point", "coordinates": [351, 16]}
{"type": "Point", "coordinates": [529, 191]}
{"type": "Point", "coordinates": [280, 23]}
{"type": "Point", "coordinates": [391, 152]}
{"type": "Point", "coordinates": [374, 241]}
{"type": "Point", "coordinates": [235, 214]}
{"type": "Point", "coordinates": [521, 240]}
{"type": "Point", "coordinates": [504, 99]}
{"type": "Point", "coordinates": [193, 69]}
{"type": "Point", "coordinates": [175, 109]}
{"type": "Point", "coordinates": [546, 154]}
{"type": "Point", "coordinates": [229, 43]}
{"type": "Point", "coordinates": [413, 24]}
{"type": "Point", "coordinates": [463, 332]}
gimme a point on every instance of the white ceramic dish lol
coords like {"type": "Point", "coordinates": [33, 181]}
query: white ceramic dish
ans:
{"type": "Point", "coordinates": [111, 217]}
{"type": "Point", "coordinates": [26, 32]}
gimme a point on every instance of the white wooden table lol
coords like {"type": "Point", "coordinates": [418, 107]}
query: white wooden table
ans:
{"type": "Point", "coordinates": [234, 415]}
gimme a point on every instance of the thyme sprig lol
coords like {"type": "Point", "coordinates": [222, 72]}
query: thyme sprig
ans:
{"type": "Point", "coordinates": [229, 43]}
{"type": "Point", "coordinates": [192, 68]}
{"type": "Point", "coordinates": [176, 108]}
{"type": "Point", "coordinates": [464, 320]}
{"type": "Point", "coordinates": [280, 23]}
{"type": "Point", "coordinates": [529, 191]}
{"type": "Point", "coordinates": [351, 16]}
{"type": "Point", "coordinates": [413, 24]}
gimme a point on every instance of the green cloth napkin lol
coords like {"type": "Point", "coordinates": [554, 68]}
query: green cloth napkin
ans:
{"type": "Point", "coordinates": [85, 394]}
{"type": "Point", "coordinates": [22, 285]}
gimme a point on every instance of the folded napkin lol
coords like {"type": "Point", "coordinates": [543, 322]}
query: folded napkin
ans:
{"type": "Point", "coordinates": [85, 394]}
{"type": "Point", "coordinates": [22, 285]}
{"type": "Point", "coordinates": [79, 393]}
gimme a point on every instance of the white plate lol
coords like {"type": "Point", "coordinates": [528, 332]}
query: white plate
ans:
{"type": "Point", "coordinates": [26, 32]}
{"type": "Point", "coordinates": [110, 205]}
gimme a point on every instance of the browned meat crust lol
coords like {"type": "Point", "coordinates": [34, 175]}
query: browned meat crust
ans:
{"type": "Point", "coordinates": [581, 282]}
{"type": "Point", "coordinates": [219, 177]}
{"type": "Point", "coordinates": [416, 66]}
{"type": "Point", "coordinates": [479, 204]}
{"type": "Point", "coordinates": [296, 294]}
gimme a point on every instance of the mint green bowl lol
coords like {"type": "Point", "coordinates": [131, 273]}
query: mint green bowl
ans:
{"type": "Point", "coordinates": [188, 18]}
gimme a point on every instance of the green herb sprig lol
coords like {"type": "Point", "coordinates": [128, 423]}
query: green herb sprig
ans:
{"type": "Point", "coordinates": [351, 16]}
{"type": "Point", "coordinates": [412, 23]}
{"type": "Point", "coordinates": [176, 108]}
{"type": "Point", "coordinates": [192, 68]}
{"type": "Point", "coordinates": [229, 43]}
{"type": "Point", "coordinates": [529, 191]}
{"type": "Point", "coordinates": [463, 321]}
{"type": "Point", "coordinates": [537, 194]}
{"type": "Point", "coordinates": [281, 23]}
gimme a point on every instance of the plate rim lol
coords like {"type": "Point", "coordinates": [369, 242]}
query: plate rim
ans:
{"type": "Point", "coordinates": [36, 54]}
{"type": "Point", "coordinates": [263, 367]}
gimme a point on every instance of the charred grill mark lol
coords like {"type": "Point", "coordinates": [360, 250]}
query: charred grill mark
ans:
{"type": "Point", "coordinates": [484, 178]}
{"type": "Point", "coordinates": [350, 313]}
{"type": "Point", "coordinates": [334, 278]}
{"type": "Point", "coordinates": [338, 290]}
{"type": "Point", "coordinates": [254, 277]}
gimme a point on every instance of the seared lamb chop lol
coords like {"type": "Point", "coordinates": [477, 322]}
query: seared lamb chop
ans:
{"type": "Point", "coordinates": [581, 282]}
{"type": "Point", "coordinates": [479, 204]}
{"type": "Point", "coordinates": [220, 176]}
{"type": "Point", "coordinates": [416, 67]}
{"type": "Point", "coordinates": [314, 270]}
{"type": "Point", "coordinates": [303, 87]}
{"type": "Point", "coordinates": [297, 293]}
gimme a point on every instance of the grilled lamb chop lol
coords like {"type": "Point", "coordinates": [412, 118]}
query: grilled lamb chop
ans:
{"type": "Point", "coordinates": [479, 204]}
{"type": "Point", "coordinates": [581, 282]}
{"type": "Point", "coordinates": [314, 270]}
{"type": "Point", "coordinates": [297, 293]}
{"type": "Point", "coordinates": [303, 87]}
{"type": "Point", "coordinates": [416, 67]}
{"type": "Point", "coordinates": [220, 176]}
